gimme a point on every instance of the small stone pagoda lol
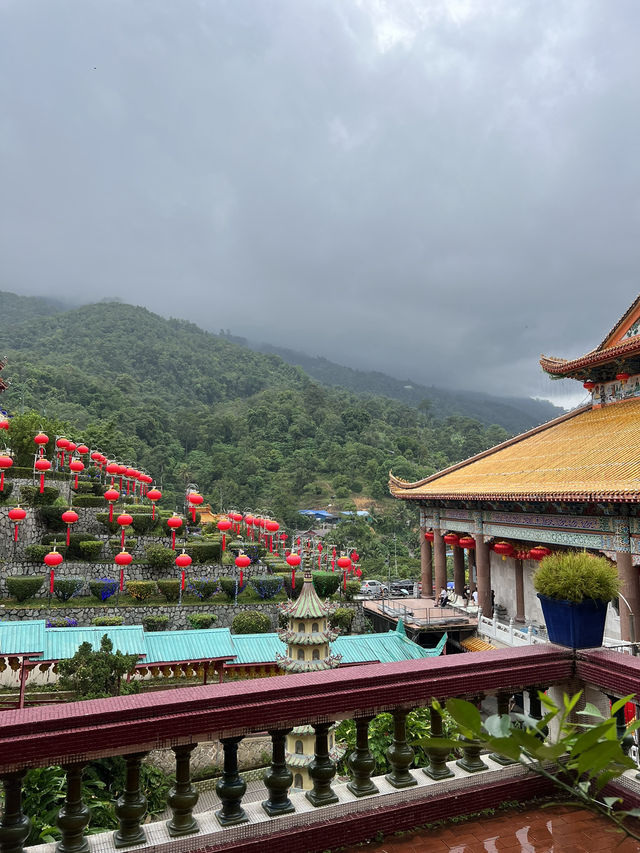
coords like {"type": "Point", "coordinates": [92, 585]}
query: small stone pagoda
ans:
{"type": "Point", "coordinates": [308, 637]}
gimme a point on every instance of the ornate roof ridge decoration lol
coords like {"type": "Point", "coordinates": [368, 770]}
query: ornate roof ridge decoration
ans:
{"type": "Point", "coordinates": [396, 483]}
{"type": "Point", "coordinates": [290, 665]}
{"type": "Point", "coordinates": [315, 638]}
{"type": "Point", "coordinates": [623, 341]}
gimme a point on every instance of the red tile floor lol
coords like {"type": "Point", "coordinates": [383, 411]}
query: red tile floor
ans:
{"type": "Point", "coordinates": [557, 829]}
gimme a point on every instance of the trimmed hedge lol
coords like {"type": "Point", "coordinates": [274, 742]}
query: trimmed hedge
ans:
{"type": "Point", "coordinates": [18, 472]}
{"type": "Point", "coordinates": [65, 589]}
{"type": "Point", "coordinates": [353, 588]}
{"type": "Point", "coordinates": [129, 544]}
{"type": "Point", "coordinates": [228, 587]}
{"type": "Point", "coordinates": [267, 586]}
{"type": "Point", "coordinates": [104, 588]}
{"type": "Point", "coordinates": [30, 495]}
{"type": "Point", "coordinates": [73, 551]}
{"type": "Point", "coordinates": [89, 500]}
{"type": "Point", "coordinates": [326, 583]}
{"type": "Point", "coordinates": [24, 587]}
{"type": "Point", "coordinates": [204, 552]}
{"type": "Point", "coordinates": [5, 494]}
{"type": "Point", "coordinates": [84, 488]}
{"type": "Point", "coordinates": [142, 522]}
{"type": "Point", "coordinates": [90, 549]}
{"type": "Point", "coordinates": [106, 621]}
{"type": "Point", "coordinates": [251, 622]}
{"type": "Point", "coordinates": [141, 590]}
{"type": "Point", "coordinates": [36, 553]}
{"type": "Point", "coordinates": [203, 588]}
{"type": "Point", "coordinates": [286, 577]}
{"type": "Point", "coordinates": [62, 622]}
{"type": "Point", "coordinates": [201, 620]}
{"type": "Point", "coordinates": [50, 516]}
{"type": "Point", "coordinates": [159, 556]}
{"type": "Point", "coordinates": [156, 622]}
{"type": "Point", "coordinates": [170, 588]}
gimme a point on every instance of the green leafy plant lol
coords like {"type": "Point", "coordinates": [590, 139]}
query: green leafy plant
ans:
{"type": "Point", "coordinates": [36, 553]}
{"type": "Point", "coordinates": [90, 549]}
{"type": "Point", "coordinates": [580, 759]}
{"type": "Point", "coordinates": [342, 619]}
{"type": "Point", "coordinates": [251, 622]}
{"type": "Point", "coordinates": [31, 495]}
{"type": "Point", "coordinates": [24, 587]}
{"type": "Point", "coordinates": [156, 622]}
{"type": "Point", "coordinates": [106, 621]}
{"type": "Point", "coordinates": [50, 516]}
{"type": "Point", "coordinates": [88, 500]}
{"type": "Point", "coordinates": [267, 586]}
{"type": "Point", "coordinates": [353, 588]}
{"type": "Point", "coordinates": [169, 588]}
{"type": "Point", "coordinates": [96, 674]}
{"type": "Point", "coordinates": [204, 552]}
{"type": "Point", "coordinates": [142, 522]}
{"type": "Point", "coordinates": [326, 583]}
{"type": "Point", "coordinates": [201, 620]}
{"type": "Point", "coordinates": [203, 588]}
{"type": "Point", "coordinates": [103, 588]}
{"type": "Point", "coordinates": [159, 556]}
{"type": "Point", "coordinates": [140, 590]}
{"type": "Point", "coordinates": [129, 544]}
{"type": "Point", "coordinates": [72, 551]}
{"type": "Point", "coordinates": [286, 577]}
{"type": "Point", "coordinates": [228, 587]}
{"type": "Point", "coordinates": [575, 576]}
{"type": "Point", "coordinates": [65, 589]}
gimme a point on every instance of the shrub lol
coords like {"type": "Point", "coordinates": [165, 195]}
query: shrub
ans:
{"type": "Point", "coordinates": [326, 583]}
{"type": "Point", "coordinates": [170, 588]}
{"type": "Point", "coordinates": [5, 494]}
{"type": "Point", "coordinates": [353, 588]}
{"type": "Point", "coordinates": [84, 488]}
{"type": "Point", "coordinates": [341, 619]}
{"type": "Point", "coordinates": [50, 516]}
{"type": "Point", "coordinates": [156, 622]}
{"type": "Point", "coordinates": [90, 549]}
{"type": "Point", "coordinates": [201, 620]}
{"type": "Point", "coordinates": [576, 576]}
{"type": "Point", "coordinates": [141, 590]}
{"type": "Point", "coordinates": [251, 622]}
{"type": "Point", "coordinates": [36, 553]}
{"type": "Point", "coordinates": [104, 588]}
{"type": "Point", "coordinates": [267, 586]}
{"type": "Point", "coordinates": [30, 495]}
{"type": "Point", "coordinates": [106, 621]}
{"type": "Point", "coordinates": [203, 588]}
{"type": "Point", "coordinates": [159, 556]}
{"type": "Point", "coordinates": [228, 587]}
{"type": "Point", "coordinates": [88, 500]}
{"type": "Point", "coordinates": [24, 587]}
{"type": "Point", "coordinates": [103, 518]}
{"type": "Point", "coordinates": [115, 547]}
{"type": "Point", "coordinates": [286, 577]}
{"type": "Point", "coordinates": [142, 522]}
{"type": "Point", "coordinates": [73, 551]}
{"type": "Point", "coordinates": [62, 622]}
{"type": "Point", "coordinates": [65, 589]}
{"type": "Point", "coordinates": [137, 509]}
{"type": "Point", "coordinates": [204, 552]}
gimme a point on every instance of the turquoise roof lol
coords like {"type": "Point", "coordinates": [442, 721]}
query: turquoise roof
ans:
{"type": "Point", "coordinates": [258, 648]}
{"type": "Point", "coordinates": [25, 637]}
{"type": "Point", "coordinates": [174, 646]}
{"type": "Point", "coordinates": [383, 648]}
{"type": "Point", "coordinates": [61, 643]}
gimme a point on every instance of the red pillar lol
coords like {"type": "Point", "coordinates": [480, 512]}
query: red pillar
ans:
{"type": "Point", "coordinates": [483, 570]}
{"type": "Point", "coordinates": [426, 567]}
{"type": "Point", "coordinates": [440, 560]}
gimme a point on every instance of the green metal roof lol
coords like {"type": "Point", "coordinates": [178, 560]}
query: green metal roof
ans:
{"type": "Point", "coordinates": [308, 605]}
{"type": "Point", "coordinates": [383, 648]}
{"type": "Point", "coordinates": [257, 648]}
{"type": "Point", "coordinates": [22, 638]}
{"type": "Point", "coordinates": [193, 645]}
{"type": "Point", "coordinates": [61, 643]}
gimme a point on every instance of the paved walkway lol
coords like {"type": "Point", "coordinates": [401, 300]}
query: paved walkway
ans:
{"type": "Point", "coordinates": [557, 829]}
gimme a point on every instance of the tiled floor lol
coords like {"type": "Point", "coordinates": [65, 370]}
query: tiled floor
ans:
{"type": "Point", "coordinates": [552, 830]}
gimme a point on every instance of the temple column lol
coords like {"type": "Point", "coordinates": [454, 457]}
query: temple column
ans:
{"type": "Point", "coordinates": [471, 557]}
{"type": "Point", "coordinates": [426, 568]}
{"type": "Point", "coordinates": [483, 569]}
{"type": "Point", "coordinates": [520, 615]}
{"type": "Point", "coordinates": [440, 560]}
{"type": "Point", "coordinates": [628, 575]}
{"type": "Point", "coordinates": [458, 570]}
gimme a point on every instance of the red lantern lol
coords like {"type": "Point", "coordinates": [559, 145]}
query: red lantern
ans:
{"type": "Point", "coordinates": [42, 465]}
{"type": "Point", "coordinates": [82, 449]}
{"type": "Point", "coordinates": [589, 385]}
{"type": "Point", "coordinates": [183, 560]}
{"type": "Point", "coordinates": [467, 542]}
{"type": "Point", "coordinates": [96, 456]}
{"type": "Point", "coordinates": [71, 446]}
{"type": "Point", "coordinates": [622, 376]}
{"type": "Point", "coordinates": [451, 538]}
{"type": "Point", "coordinates": [76, 466]}
{"type": "Point", "coordinates": [5, 463]}
{"type": "Point", "coordinates": [61, 445]}
{"type": "Point", "coordinates": [41, 439]}
{"type": "Point", "coordinates": [344, 562]}
{"type": "Point", "coordinates": [272, 527]}
{"type": "Point", "coordinates": [124, 520]}
{"type": "Point", "coordinates": [154, 495]}
{"type": "Point", "coordinates": [4, 422]}
{"type": "Point", "coordinates": [223, 525]}
{"type": "Point", "coordinates": [429, 535]}
{"type": "Point", "coordinates": [122, 559]}
{"type": "Point", "coordinates": [538, 552]}
{"type": "Point", "coordinates": [69, 517]}
{"type": "Point", "coordinates": [174, 522]}
{"type": "Point", "coordinates": [505, 549]}
{"type": "Point", "coordinates": [242, 561]}
{"type": "Point", "coordinates": [194, 499]}
{"type": "Point", "coordinates": [112, 469]}
{"type": "Point", "coordinates": [111, 495]}
{"type": "Point", "coordinates": [53, 558]}
{"type": "Point", "coordinates": [121, 471]}
{"type": "Point", "coordinates": [294, 561]}
{"type": "Point", "coordinates": [17, 514]}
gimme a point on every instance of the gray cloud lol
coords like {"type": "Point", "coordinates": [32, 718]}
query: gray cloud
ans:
{"type": "Point", "coordinates": [439, 189]}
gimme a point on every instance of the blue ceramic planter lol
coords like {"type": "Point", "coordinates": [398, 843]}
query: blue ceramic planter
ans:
{"type": "Point", "coordinates": [578, 626]}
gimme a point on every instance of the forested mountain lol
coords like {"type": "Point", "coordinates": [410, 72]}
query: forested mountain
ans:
{"type": "Point", "coordinates": [248, 428]}
{"type": "Point", "coordinates": [515, 414]}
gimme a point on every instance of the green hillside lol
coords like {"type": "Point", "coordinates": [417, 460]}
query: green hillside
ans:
{"type": "Point", "coordinates": [192, 407]}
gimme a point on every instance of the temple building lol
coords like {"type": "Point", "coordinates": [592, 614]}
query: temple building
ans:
{"type": "Point", "coordinates": [573, 482]}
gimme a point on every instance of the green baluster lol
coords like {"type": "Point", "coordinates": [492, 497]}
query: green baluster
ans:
{"type": "Point", "coordinates": [278, 778]}
{"type": "Point", "coordinates": [14, 825]}
{"type": "Point", "coordinates": [322, 769]}
{"type": "Point", "coordinates": [471, 761]}
{"type": "Point", "coordinates": [503, 711]}
{"type": "Point", "coordinates": [74, 816]}
{"type": "Point", "coordinates": [361, 761]}
{"type": "Point", "coordinates": [400, 755]}
{"type": "Point", "coordinates": [438, 755]}
{"type": "Point", "coordinates": [231, 786]}
{"type": "Point", "coordinates": [183, 796]}
{"type": "Point", "coordinates": [131, 806]}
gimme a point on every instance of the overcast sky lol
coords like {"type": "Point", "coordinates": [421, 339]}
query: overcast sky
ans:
{"type": "Point", "coordinates": [440, 189]}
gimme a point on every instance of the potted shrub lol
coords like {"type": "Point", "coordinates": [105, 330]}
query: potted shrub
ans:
{"type": "Point", "coordinates": [574, 589]}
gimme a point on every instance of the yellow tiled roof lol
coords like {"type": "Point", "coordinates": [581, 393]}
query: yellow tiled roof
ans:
{"type": "Point", "coordinates": [475, 644]}
{"type": "Point", "coordinates": [590, 454]}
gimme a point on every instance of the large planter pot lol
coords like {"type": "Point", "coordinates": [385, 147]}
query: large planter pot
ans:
{"type": "Point", "coordinates": [578, 626]}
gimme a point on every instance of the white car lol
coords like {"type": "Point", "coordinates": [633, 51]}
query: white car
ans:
{"type": "Point", "coordinates": [373, 588]}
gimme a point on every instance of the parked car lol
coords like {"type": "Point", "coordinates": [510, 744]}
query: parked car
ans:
{"type": "Point", "coordinates": [373, 588]}
{"type": "Point", "coordinates": [402, 587]}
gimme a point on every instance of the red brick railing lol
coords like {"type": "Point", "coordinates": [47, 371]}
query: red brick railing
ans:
{"type": "Point", "coordinates": [74, 733]}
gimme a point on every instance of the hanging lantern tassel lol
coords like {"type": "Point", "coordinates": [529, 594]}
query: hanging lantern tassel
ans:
{"type": "Point", "coordinates": [121, 579]}
{"type": "Point", "coordinates": [182, 580]}
{"type": "Point", "coordinates": [51, 580]}
{"type": "Point", "coordinates": [344, 581]}
{"type": "Point", "coordinates": [293, 578]}
{"type": "Point", "coordinates": [241, 578]}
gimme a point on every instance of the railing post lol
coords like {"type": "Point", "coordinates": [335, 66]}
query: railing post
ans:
{"type": "Point", "coordinates": [14, 825]}
{"type": "Point", "coordinates": [471, 761]}
{"type": "Point", "coordinates": [74, 816]}
{"type": "Point", "coordinates": [278, 778]}
{"type": "Point", "coordinates": [503, 711]}
{"type": "Point", "coordinates": [438, 755]}
{"type": "Point", "coordinates": [400, 754]}
{"type": "Point", "coordinates": [322, 769]}
{"type": "Point", "coordinates": [183, 796]}
{"type": "Point", "coordinates": [231, 786]}
{"type": "Point", "coordinates": [131, 806]}
{"type": "Point", "coordinates": [511, 631]}
{"type": "Point", "coordinates": [361, 761]}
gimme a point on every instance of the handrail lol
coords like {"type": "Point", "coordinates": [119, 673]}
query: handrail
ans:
{"type": "Point", "coordinates": [100, 727]}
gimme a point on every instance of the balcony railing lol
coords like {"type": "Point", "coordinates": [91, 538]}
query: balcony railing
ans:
{"type": "Point", "coordinates": [331, 814]}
